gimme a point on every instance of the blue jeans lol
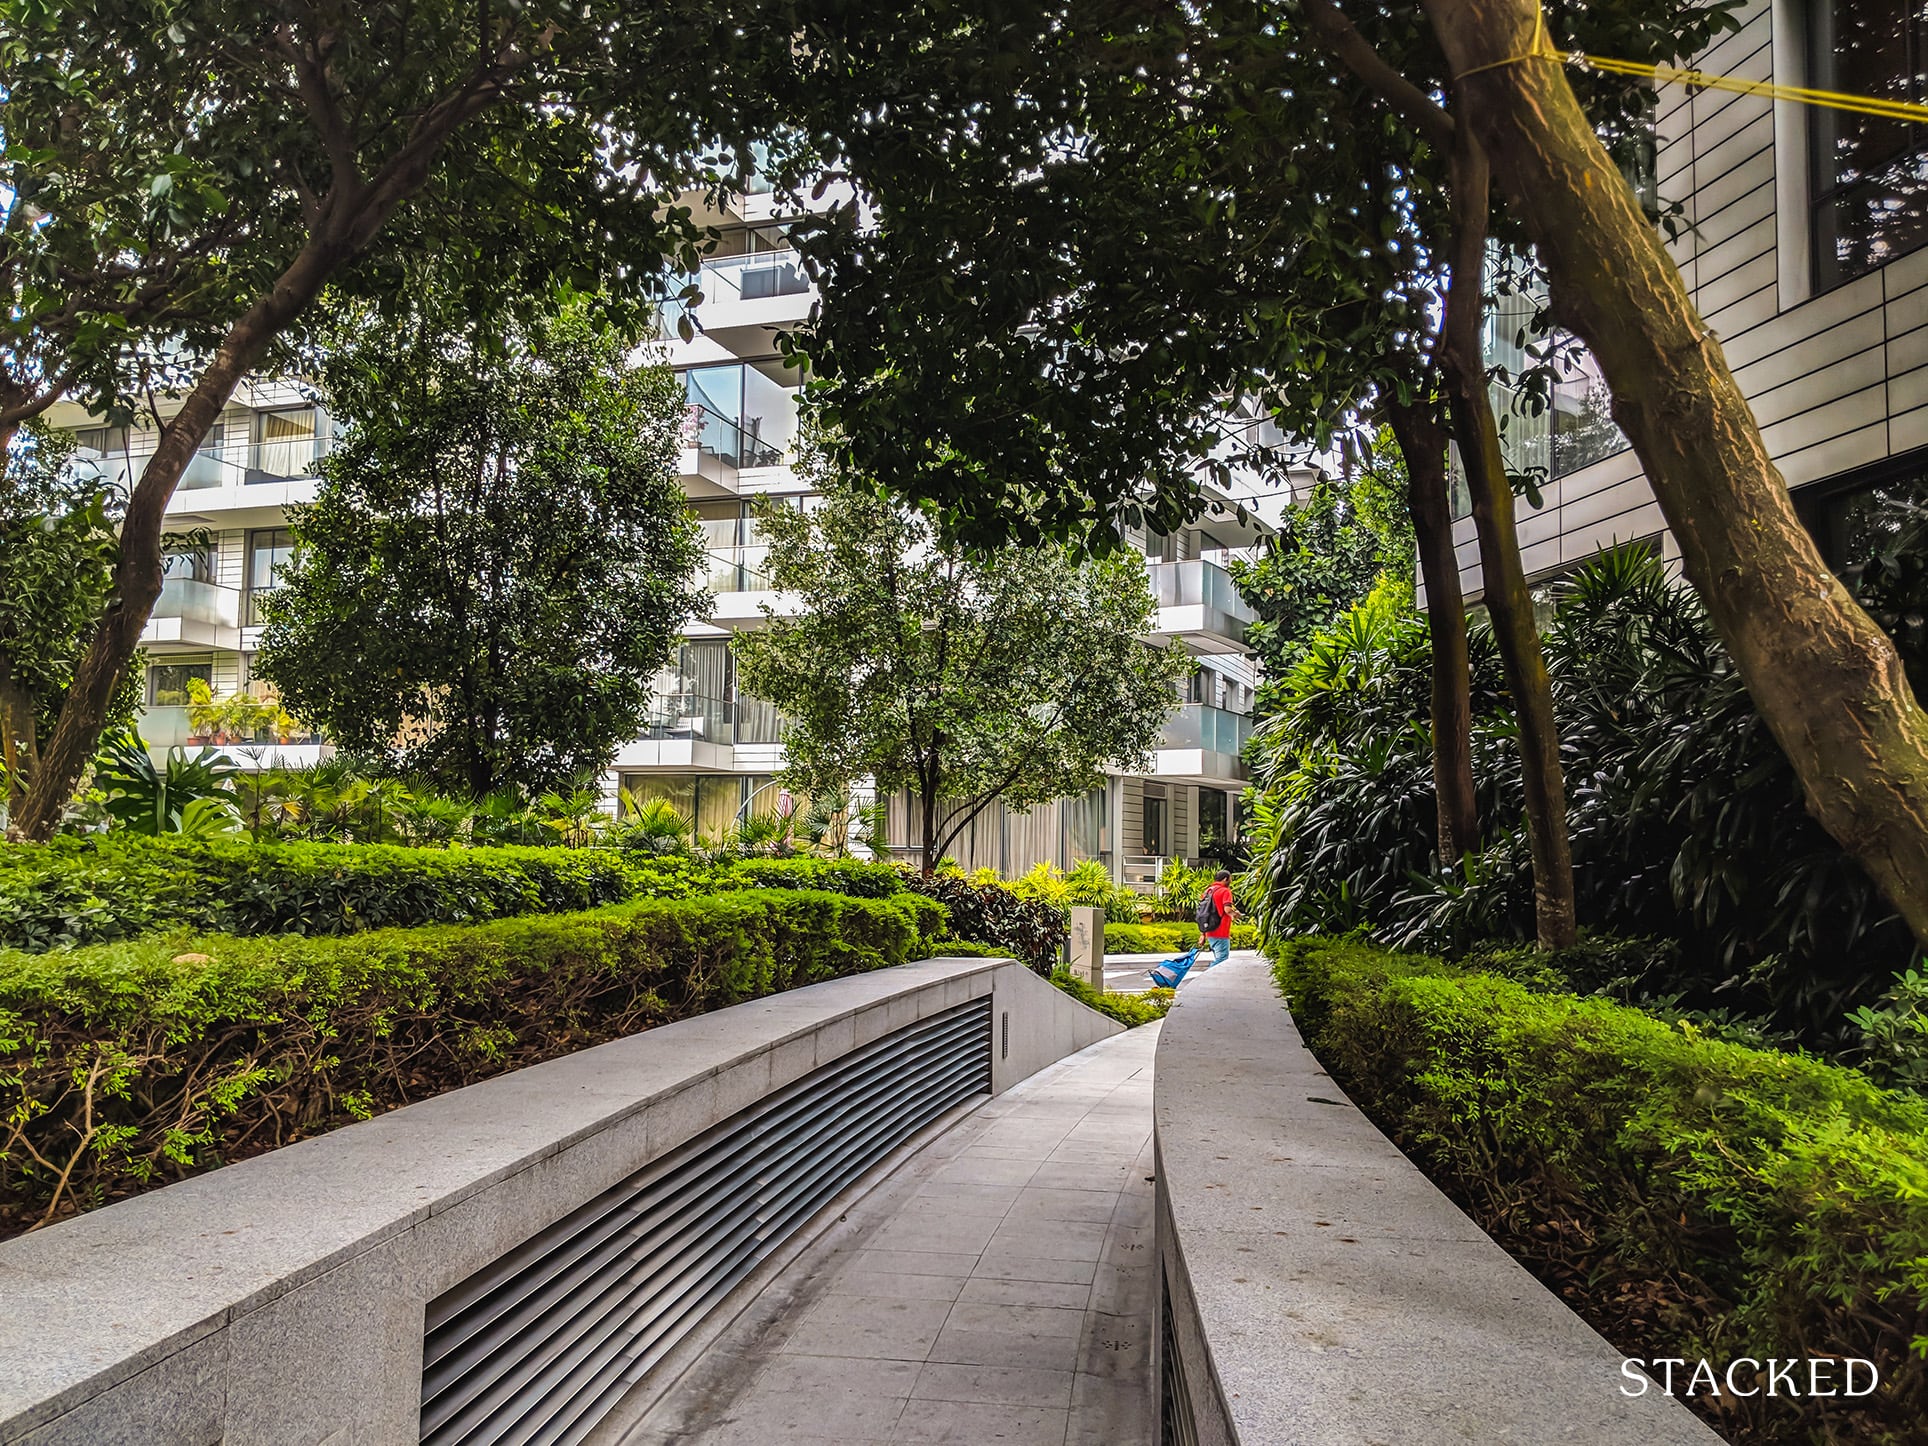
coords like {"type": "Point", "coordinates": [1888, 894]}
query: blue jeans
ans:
{"type": "Point", "coordinates": [1220, 948]}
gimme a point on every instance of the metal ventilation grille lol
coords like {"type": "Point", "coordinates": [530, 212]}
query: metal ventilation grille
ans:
{"type": "Point", "coordinates": [1177, 1425]}
{"type": "Point", "coordinates": [541, 1344]}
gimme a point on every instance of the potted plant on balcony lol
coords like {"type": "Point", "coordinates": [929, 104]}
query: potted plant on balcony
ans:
{"type": "Point", "coordinates": [206, 719]}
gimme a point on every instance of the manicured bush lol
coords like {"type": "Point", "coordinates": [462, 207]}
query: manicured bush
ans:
{"type": "Point", "coordinates": [1168, 938]}
{"type": "Point", "coordinates": [1690, 1196]}
{"type": "Point", "coordinates": [1130, 1010]}
{"type": "Point", "coordinates": [1030, 930]}
{"type": "Point", "coordinates": [87, 890]}
{"type": "Point", "coordinates": [966, 949]}
{"type": "Point", "coordinates": [128, 1065]}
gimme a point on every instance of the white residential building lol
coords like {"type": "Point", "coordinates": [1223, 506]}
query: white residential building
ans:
{"type": "Point", "coordinates": [1807, 253]}
{"type": "Point", "coordinates": [707, 748]}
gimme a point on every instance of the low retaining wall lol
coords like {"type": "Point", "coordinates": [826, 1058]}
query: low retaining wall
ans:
{"type": "Point", "coordinates": [1319, 1288]}
{"type": "Point", "coordinates": [556, 1228]}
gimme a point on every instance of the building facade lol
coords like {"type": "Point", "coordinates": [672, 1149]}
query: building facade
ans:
{"type": "Point", "coordinates": [710, 750]}
{"type": "Point", "coordinates": [1806, 251]}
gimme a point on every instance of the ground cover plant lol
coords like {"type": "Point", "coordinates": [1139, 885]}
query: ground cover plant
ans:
{"type": "Point", "coordinates": [1130, 1010]}
{"type": "Point", "coordinates": [1689, 1195]}
{"type": "Point", "coordinates": [1166, 938]}
{"type": "Point", "coordinates": [128, 1065]}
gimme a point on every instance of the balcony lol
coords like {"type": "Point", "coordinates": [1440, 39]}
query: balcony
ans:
{"type": "Point", "coordinates": [1199, 605]}
{"type": "Point", "coordinates": [191, 611]}
{"type": "Point", "coordinates": [239, 464]}
{"type": "Point", "coordinates": [163, 727]}
{"type": "Point", "coordinates": [1201, 744]}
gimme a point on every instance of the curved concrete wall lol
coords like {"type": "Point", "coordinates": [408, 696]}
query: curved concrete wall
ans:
{"type": "Point", "coordinates": [1319, 1288]}
{"type": "Point", "coordinates": [280, 1301]}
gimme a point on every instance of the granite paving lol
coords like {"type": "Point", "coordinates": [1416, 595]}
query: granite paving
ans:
{"type": "Point", "coordinates": [997, 1287]}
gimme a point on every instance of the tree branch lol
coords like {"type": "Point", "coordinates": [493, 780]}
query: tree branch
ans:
{"type": "Point", "coordinates": [1355, 52]}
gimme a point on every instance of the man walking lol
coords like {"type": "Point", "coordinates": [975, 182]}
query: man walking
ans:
{"type": "Point", "coordinates": [1216, 911]}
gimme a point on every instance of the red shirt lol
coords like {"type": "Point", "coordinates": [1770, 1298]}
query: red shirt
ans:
{"type": "Point", "coordinates": [1221, 894]}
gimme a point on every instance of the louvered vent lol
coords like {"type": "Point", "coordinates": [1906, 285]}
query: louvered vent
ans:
{"type": "Point", "coordinates": [541, 1344]}
{"type": "Point", "coordinates": [1177, 1425]}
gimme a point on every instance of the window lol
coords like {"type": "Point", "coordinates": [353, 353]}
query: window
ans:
{"type": "Point", "coordinates": [269, 552]}
{"type": "Point", "coordinates": [167, 682]}
{"type": "Point", "coordinates": [1154, 836]}
{"type": "Point", "coordinates": [286, 445]}
{"type": "Point", "coordinates": [192, 563]}
{"type": "Point", "coordinates": [1870, 174]}
{"type": "Point", "coordinates": [1855, 517]}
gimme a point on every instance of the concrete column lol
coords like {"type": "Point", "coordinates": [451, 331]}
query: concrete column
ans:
{"type": "Point", "coordinates": [1087, 945]}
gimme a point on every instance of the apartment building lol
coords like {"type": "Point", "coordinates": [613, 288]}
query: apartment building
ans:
{"type": "Point", "coordinates": [706, 747]}
{"type": "Point", "coordinates": [1807, 253]}
{"type": "Point", "coordinates": [230, 525]}
{"type": "Point", "coordinates": [714, 752]}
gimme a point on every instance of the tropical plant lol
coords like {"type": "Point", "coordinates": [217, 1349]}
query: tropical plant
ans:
{"type": "Point", "coordinates": [185, 795]}
{"type": "Point", "coordinates": [576, 817]}
{"type": "Point", "coordinates": [652, 825]}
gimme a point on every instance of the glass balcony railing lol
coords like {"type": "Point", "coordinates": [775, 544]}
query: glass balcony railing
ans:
{"type": "Point", "coordinates": [691, 716]}
{"type": "Point", "coordinates": [166, 727]}
{"type": "Point", "coordinates": [738, 569]}
{"type": "Point", "coordinates": [755, 276]}
{"type": "Point", "coordinates": [1199, 725]}
{"type": "Point", "coordinates": [192, 600]}
{"type": "Point", "coordinates": [1198, 584]}
{"type": "Point", "coordinates": [223, 465]}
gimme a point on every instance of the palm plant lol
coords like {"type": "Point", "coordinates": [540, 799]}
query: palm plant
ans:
{"type": "Point", "coordinates": [576, 817]}
{"type": "Point", "coordinates": [650, 825]}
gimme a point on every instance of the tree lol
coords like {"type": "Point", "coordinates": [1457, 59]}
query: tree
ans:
{"type": "Point", "coordinates": [182, 180]}
{"type": "Point", "coordinates": [498, 561]}
{"type": "Point", "coordinates": [1332, 548]}
{"type": "Point", "coordinates": [965, 676]}
{"type": "Point", "coordinates": [1828, 682]}
{"type": "Point", "coordinates": [57, 548]}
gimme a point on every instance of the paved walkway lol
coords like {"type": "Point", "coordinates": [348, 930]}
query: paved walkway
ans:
{"type": "Point", "coordinates": [997, 1287]}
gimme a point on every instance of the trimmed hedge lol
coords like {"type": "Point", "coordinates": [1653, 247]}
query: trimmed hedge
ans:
{"type": "Point", "coordinates": [1029, 930]}
{"type": "Point", "coordinates": [1157, 938]}
{"type": "Point", "coordinates": [1691, 1197]}
{"type": "Point", "coordinates": [1130, 1010]}
{"type": "Point", "coordinates": [92, 889]}
{"type": "Point", "coordinates": [129, 1065]}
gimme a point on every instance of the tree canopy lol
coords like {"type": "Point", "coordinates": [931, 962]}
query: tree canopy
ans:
{"type": "Point", "coordinates": [965, 676]}
{"type": "Point", "coordinates": [498, 561]}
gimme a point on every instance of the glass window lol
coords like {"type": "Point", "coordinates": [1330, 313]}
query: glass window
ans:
{"type": "Point", "coordinates": [1870, 174]}
{"type": "Point", "coordinates": [269, 552]}
{"type": "Point", "coordinates": [287, 445]}
{"type": "Point", "coordinates": [195, 563]}
{"type": "Point", "coordinates": [1856, 519]}
{"type": "Point", "coordinates": [167, 682]}
{"type": "Point", "coordinates": [1154, 833]}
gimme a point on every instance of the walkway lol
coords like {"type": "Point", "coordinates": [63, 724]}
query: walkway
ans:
{"type": "Point", "coordinates": [997, 1287]}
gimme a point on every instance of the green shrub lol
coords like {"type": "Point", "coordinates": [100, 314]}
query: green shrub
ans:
{"type": "Point", "coordinates": [1130, 1010]}
{"type": "Point", "coordinates": [966, 949]}
{"type": "Point", "coordinates": [1168, 938]}
{"type": "Point", "coordinates": [1699, 1197]}
{"type": "Point", "coordinates": [136, 1063]}
{"type": "Point", "coordinates": [88, 890]}
{"type": "Point", "coordinates": [1029, 930]}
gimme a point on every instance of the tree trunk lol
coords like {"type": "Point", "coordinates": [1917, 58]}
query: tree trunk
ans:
{"type": "Point", "coordinates": [1476, 430]}
{"type": "Point", "coordinates": [18, 740]}
{"type": "Point", "coordinates": [928, 799]}
{"type": "Point", "coordinates": [137, 573]}
{"type": "Point", "coordinates": [1422, 442]}
{"type": "Point", "coordinates": [1827, 681]}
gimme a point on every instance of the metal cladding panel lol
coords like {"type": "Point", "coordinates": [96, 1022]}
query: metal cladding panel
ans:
{"type": "Point", "coordinates": [1177, 1424]}
{"type": "Point", "coordinates": [538, 1346]}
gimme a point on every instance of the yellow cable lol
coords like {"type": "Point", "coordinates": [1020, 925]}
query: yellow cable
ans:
{"type": "Point", "coordinates": [1542, 49]}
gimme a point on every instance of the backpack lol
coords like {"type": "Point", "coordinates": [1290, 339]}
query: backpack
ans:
{"type": "Point", "coordinates": [1209, 917]}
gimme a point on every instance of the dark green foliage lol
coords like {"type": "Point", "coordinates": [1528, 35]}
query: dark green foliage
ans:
{"type": "Point", "coordinates": [1346, 536]}
{"type": "Point", "coordinates": [1030, 930]}
{"type": "Point", "coordinates": [1687, 821]}
{"type": "Point", "coordinates": [1130, 1010]}
{"type": "Point", "coordinates": [141, 1063]}
{"type": "Point", "coordinates": [1893, 585]}
{"type": "Point", "coordinates": [82, 890]}
{"type": "Point", "coordinates": [1689, 1196]}
{"type": "Point", "coordinates": [183, 795]}
{"type": "Point", "coordinates": [497, 562]}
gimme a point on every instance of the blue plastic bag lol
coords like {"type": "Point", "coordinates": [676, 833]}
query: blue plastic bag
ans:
{"type": "Point", "coordinates": [1167, 975]}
